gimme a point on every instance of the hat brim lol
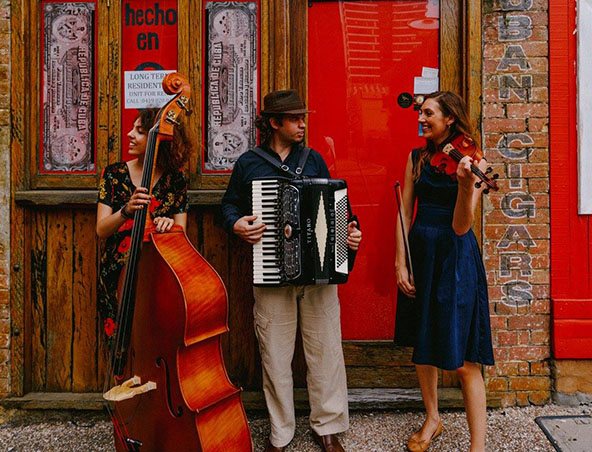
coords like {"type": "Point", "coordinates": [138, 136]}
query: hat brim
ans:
{"type": "Point", "coordinates": [288, 112]}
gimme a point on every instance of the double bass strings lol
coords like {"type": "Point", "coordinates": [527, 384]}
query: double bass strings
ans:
{"type": "Point", "coordinates": [123, 323]}
{"type": "Point", "coordinates": [127, 303]}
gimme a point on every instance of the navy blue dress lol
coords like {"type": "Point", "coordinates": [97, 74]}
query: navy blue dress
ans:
{"type": "Point", "coordinates": [448, 321]}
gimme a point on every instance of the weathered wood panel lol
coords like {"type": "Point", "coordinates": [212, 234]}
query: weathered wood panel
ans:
{"type": "Point", "coordinates": [215, 251]}
{"type": "Point", "coordinates": [59, 300]}
{"type": "Point", "coordinates": [37, 332]}
{"type": "Point", "coordinates": [110, 54]}
{"type": "Point", "coordinates": [67, 339]}
{"type": "Point", "coordinates": [20, 317]}
{"type": "Point", "coordinates": [299, 48]}
{"type": "Point", "coordinates": [84, 303]}
{"type": "Point", "coordinates": [381, 377]}
{"type": "Point", "coordinates": [452, 59]}
{"type": "Point", "coordinates": [244, 360]}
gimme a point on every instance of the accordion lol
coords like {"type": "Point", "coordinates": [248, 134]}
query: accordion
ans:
{"type": "Point", "coordinates": [305, 239]}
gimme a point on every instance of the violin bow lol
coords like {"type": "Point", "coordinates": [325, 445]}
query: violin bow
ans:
{"type": "Point", "coordinates": [399, 197]}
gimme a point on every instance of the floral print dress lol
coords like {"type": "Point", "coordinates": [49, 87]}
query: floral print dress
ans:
{"type": "Point", "coordinates": [115, 189]}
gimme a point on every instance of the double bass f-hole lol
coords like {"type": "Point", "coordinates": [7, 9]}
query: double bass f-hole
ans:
{"type": "Point", "coordinates": [161, 362]}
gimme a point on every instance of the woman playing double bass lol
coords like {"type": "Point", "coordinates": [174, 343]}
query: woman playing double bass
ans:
{"type": "Point", "coordinates": [166, 387]}
{"type": "Point", "coordinates": [120, 196]}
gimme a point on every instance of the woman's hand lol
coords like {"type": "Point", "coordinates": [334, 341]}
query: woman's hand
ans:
{"type": "Point", "coordinates": [108, 222]}
{"type": "Point", "coordinates": [138, 201]}
{"type": "Point", "coordinates": [407, 287]}
{"type": "Point", "coordinates": [464, 175]}
{"type": "Point", "coordinates": [354, 235]}
{"type": "Point", "coordinates": [163, 224]}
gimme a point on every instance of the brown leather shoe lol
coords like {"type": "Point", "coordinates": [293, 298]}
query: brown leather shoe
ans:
{"type": "Point", "coordinates": [271, 448]}
{"type": "Point", "coordinates": [328, 443]}
{"type": "Point", "coordinates": [416, 445]}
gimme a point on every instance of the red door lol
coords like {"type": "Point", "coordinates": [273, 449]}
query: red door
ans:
{"type": "Point", "coordinates": [571, 233]}
{"type": "Point", "coordinates": [364, 58]}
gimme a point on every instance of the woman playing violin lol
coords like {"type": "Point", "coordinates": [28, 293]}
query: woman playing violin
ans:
{"type": "Point", "coordinates": [120, 196]}
{"type": "Point", "coordinates": [447, 296]}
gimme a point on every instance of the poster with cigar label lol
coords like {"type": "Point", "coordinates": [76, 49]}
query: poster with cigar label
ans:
{"type": "Point", "coordinates": [68, 102]}
{"type": "Point", "coordinates": [231, 83]}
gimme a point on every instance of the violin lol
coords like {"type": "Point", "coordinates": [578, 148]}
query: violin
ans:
{"type": "Point", "coordinates": [171, 390]}
{"type": "Point", "coordinates": [452, 151]}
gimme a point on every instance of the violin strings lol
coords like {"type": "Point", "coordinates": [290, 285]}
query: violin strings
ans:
{"type": "Point", "coordinates": [457, 155]}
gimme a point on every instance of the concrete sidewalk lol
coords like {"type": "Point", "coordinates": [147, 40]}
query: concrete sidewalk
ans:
{"type": "Point", "coordinates": [509, 429]}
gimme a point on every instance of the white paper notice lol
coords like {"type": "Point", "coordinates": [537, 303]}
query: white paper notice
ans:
{"type": "Point", "coordinates": [425, 85]}
{"type": "Point", "coordinates": [429, 72]}
{"type": "Point", "coordinates": [143, 89]}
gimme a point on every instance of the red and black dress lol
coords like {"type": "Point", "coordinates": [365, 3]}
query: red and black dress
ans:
{"type": "Point", "coordinates": [115, 189]}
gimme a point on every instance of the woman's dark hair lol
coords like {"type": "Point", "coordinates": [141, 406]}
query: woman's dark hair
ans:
{"type": "Point", "coordinates": [171, 155]}
{"type": "Point", "coordinates": [262, 122]}
{"type": "Point", "coordinates": [451, 104]}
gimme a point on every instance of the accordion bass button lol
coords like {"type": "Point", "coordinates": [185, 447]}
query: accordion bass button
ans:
{"type": "Point", "coordinates": [288, 231]}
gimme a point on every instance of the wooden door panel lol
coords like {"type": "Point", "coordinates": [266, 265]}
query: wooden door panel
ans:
{"type": "Point", "coordinates": [86, 328]}
{"type": "Point", "coordinates": [64, 340]}
{"type": "Point", "coordinates": [37, 280]}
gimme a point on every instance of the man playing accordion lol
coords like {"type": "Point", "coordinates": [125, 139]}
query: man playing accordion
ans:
{"type": "Point", "coordinates": [278, 310]}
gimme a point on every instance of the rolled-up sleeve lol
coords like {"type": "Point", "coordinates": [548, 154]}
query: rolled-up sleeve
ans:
{"type": "Point", "coordinates": [232, 200]}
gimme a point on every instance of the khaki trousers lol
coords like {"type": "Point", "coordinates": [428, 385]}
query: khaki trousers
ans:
{"type": "Point", "coordinates": [277, 312]}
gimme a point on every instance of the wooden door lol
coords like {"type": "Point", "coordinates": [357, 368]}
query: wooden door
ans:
{"type": "Point", "coordinates": [57, 342]}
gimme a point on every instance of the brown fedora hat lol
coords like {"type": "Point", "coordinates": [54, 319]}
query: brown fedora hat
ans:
{"type": "Point", "coordinates": [283, 102]}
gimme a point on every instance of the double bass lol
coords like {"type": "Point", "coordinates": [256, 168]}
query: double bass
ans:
{"type": "Point", "coordinates": [167, 389]}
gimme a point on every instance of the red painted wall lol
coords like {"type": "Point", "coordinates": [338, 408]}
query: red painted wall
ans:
{"type": "Point", "coordinates": [571, 235]}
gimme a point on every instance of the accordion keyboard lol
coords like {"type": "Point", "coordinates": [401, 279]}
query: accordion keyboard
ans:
{"type": "Point", "coordinates": [265, 252]}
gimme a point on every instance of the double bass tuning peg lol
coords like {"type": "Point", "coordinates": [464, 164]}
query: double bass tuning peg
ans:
{"type": "Point", "coordinates": [183, 101]}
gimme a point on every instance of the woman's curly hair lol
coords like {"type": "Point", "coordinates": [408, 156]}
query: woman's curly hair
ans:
{"type": "Point", "coordinates": [172, 155]}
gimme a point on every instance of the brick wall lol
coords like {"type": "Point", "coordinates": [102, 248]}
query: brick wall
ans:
{"type": "Point", "coordinates": [516, 219]}
{"type": "Point", "coordinates": [4, 195]}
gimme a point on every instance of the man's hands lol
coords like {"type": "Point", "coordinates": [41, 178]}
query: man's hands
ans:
{"type": "Point", "coordinates": [247, 231]}
{"type": "Point", "coordinates": [252, 233]}
{"type": "Point", "coordinates": [354, 235]}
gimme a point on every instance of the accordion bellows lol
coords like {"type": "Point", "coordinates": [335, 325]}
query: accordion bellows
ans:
{"type": "Point", "coordinates": [305, 240]}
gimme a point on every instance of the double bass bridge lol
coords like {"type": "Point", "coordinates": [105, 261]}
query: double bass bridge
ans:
{"type": "Point", "coordinates": [129, 389]}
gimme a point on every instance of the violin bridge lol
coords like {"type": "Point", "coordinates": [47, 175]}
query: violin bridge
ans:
{"type": "Point", "coordinates": [129, 389]}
